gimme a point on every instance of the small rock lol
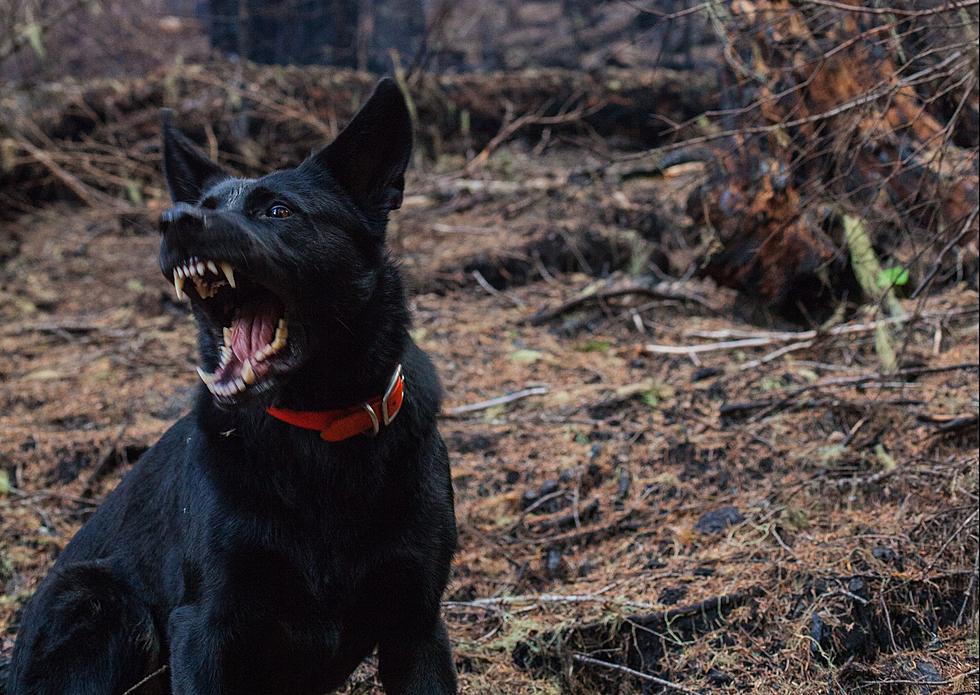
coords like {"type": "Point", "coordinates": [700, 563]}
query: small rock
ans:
{"type": "Point", "coordinates": [718, 677]}
{"type": "Point", "coordinates": [858, 587]}
{"type": "Point", "coordinates": [705, 373]}
{"type": "Point", "coordinates": [888, 556]}
{"type": "Point", "coordinates": [819, 634]}
{"type": "Point", "coordinates": [928, 675]}
{"type": "Point", "coordinates": [623, 486]}
{"type": "Point", "coordinates": [555, 566]}
{"type": "Point", "coordinates": [528, 498]}
{"type": "Point", "coordinates": [548, 487]}
{"type": "Point", "coordinates": [672, 595]}
{"type": "Point", "coordinates": [718, 520]}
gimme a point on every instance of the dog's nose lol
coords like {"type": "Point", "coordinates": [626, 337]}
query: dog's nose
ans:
{"type": "Point", "coordinates": [180, 216]}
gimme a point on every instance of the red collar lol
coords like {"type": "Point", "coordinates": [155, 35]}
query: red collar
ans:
{"type": "Point", "coordinates": [343, 423]}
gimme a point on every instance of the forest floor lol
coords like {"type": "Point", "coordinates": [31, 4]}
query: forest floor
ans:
{"type": "Point", "coordinates": [766, 518]}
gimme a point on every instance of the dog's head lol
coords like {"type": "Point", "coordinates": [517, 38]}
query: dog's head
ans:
{"type": "Point", "coordinates": [276, 267]}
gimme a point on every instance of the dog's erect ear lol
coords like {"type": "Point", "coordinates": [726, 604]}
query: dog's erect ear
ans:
{"type": "Point", "coordinates": [370, 155]}
{"type": "Point", "coordinates": [187, 170]}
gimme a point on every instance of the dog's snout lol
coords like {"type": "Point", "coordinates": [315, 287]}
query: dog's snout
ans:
{"type": "Point", "coordinates": [180, 215]}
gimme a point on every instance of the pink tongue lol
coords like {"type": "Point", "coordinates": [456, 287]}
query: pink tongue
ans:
{"type": "Point", "coordinates": [251, 331]}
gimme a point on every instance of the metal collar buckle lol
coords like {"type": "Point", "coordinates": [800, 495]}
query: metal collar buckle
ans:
{"type": "Point", "coordinates": [385, 415]}
{"type": "Point", "coordinates": [374, 418]}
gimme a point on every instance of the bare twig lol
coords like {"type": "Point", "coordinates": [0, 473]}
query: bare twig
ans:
{"type": "Point", "coordinates": [658, 290]}
{"type": "Point", "coordinates": [159, 672]}
{"type": "Point", "coordinates": [512, 125]}
{"type": "Point", "coordinates": [22, 35]}
{"type": "Point", "coordinates": [499, 400]}
{"type": "Point", "coordinates": [582, 658]}
{"type": "Point", "coordinates": [772, 338]}
{"type": "Point", "coordinates": [485, 284]}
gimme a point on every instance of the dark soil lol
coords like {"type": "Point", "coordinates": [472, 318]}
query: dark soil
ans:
{"type": "Point", "coordinates": [777, 527]}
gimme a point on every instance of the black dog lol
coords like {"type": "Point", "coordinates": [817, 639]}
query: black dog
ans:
{"type": "Point", "coordinates": [302, 514]}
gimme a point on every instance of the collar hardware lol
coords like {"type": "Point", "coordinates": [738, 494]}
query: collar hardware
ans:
{"type": "Point", "coordinates": [344, 423]}
{"type": "Point", "coordinates": [397, 381]}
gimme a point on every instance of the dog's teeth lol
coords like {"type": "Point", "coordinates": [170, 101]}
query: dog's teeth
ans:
{"type": "Point", "coordinates": [261, 354]}
{"type": "Point", "coordinates": [179, 286]}
{"type": "Point", "coordinates": [226, 331]}
{"type": "Point", "coordinates": [229, 272]}
{"type": "Point", "coordinates": [248, 374]}
{"type": "Point", "coordinates": [281, 334]}
{"type": "Point", "coordinates": [205, 377]}
{"type": "Point", "coordinates": [200, 268]}
{"type": "Point", "coordinates": [212, 267]}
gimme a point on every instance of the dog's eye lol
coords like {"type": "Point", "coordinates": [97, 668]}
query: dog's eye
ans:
{"type": "Point", "coordinates": [279, 211]}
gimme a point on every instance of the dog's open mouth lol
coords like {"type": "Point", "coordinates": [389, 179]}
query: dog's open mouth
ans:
{"type": "Point", "coordinates": [247, 319]}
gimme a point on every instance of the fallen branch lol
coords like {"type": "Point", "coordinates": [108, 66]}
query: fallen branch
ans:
{"type": "Point", "coordinates": [485, 284]}
{"type": "Point", "coordinates": [760, 339]}
{"type": "Point", "coordinates": [496, 601]}
{"type": "Point", "coordinates": [512, 125]}
{"type": "Point", "coordinates": [499, 400]}
{"type": "Point", "coordinates": [86, 193]}
{"type": "Point", "coordinates": [582, 658]}
{"type": "Point", "coordinates": [159, 672]}
{"type": "Point", "coordinates": [656, 290]}
{"type": "Point", "coordinates": [771, 405]}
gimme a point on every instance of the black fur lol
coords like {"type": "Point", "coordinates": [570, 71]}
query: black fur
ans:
{"type": "Point", "coordinates": [248, 555]}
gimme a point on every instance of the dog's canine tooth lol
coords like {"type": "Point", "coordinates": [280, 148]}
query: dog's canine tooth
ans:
{"type": "Point", "coordinates": [213, 267]}
{"type": "Point", "coordinates": [205, 377]}
{"type": "Point", "coordinates": [229, 272]}
{"type": "Point", "coordinates": [179, 286]}
{"type": "Point", "coordinates": [248, 374]}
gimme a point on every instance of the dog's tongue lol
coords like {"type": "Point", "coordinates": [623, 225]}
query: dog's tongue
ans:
{"type": "Point", "coordinates": [252, 329]}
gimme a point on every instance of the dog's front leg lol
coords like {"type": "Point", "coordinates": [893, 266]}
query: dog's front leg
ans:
{"type": "Point", "coordinates": [418, 664]}
{"type": "Point", "coordinates": [193, 654]}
